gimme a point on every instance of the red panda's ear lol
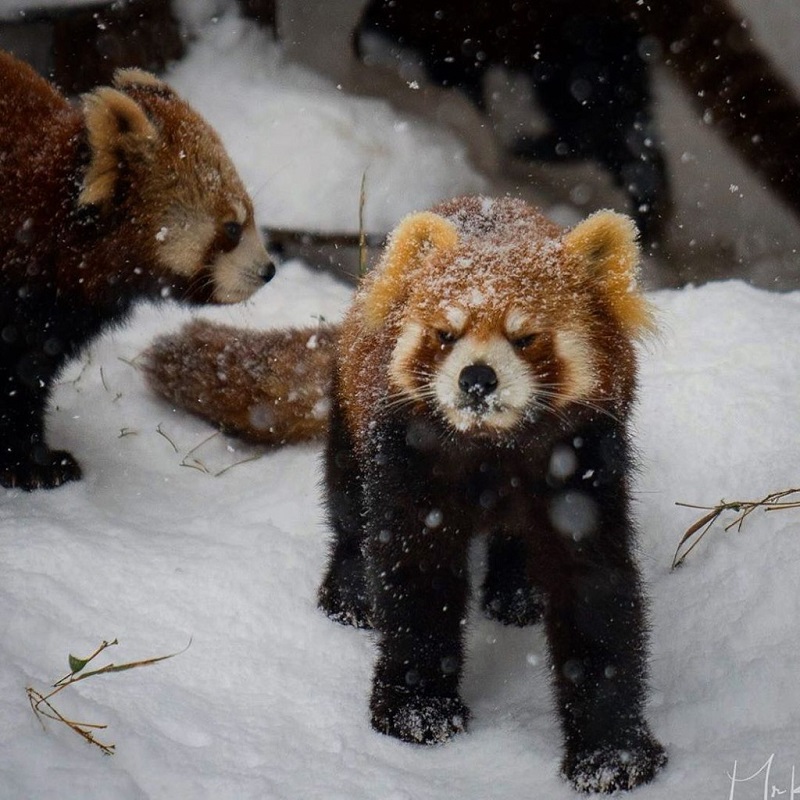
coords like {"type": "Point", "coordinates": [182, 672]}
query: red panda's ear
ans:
{"type": "Point", "coordinates": [606, 244]}
{"type": "Point", "coordinates": [119, 131]}
{"type": "Point", "coordinates": [411, 242]}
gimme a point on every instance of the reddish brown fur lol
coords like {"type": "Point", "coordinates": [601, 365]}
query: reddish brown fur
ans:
{"type": "Point", "coordinates": [182, 366]}
{"type": "Point", "coordinates": [129, 195]}
{"type": "Point", "coordinates": [269, 387]}
{"type": "Point", "coordinates": [28, 103]}
{"type": "Point", "coordinates": [504, 345]}
{"type": "Point", "coordinates": [45, 156]}
{"type": "Point", "coordinates": [506, 250]}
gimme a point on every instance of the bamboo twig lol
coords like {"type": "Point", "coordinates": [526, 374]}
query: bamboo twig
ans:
{"type": "Point", "coordinates": [742, 508]}
{"type": "Point", "coordinates": [192, 462]}
{"type": "Point", "coordinates": [238, 464]}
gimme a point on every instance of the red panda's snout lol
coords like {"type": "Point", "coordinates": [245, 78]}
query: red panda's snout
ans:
{"type": "Point", "coordinates": [220, 260]}
{"type": "Point", "coordinates": [484, 385]}
{"type": "Point", "coordinates": [240, 271]}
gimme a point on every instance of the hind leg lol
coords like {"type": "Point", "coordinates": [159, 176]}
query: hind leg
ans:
{"type": "Point", "coordinates": [343, 595]}
{"type": "Point", "coordinates": [509, 596]}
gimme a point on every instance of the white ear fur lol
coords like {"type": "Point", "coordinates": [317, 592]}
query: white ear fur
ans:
{"type": "Point", "coordinates": [417, 236]}
{"type": "Point", "coordinates": [118, 128]}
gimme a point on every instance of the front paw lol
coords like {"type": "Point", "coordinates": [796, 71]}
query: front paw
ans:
{"type": "Point", "coordinates": [417, 719]}
{"type": "Point", "coordinates": [611, 768]}
{"type": "Point", "coordinates": [43, 469]}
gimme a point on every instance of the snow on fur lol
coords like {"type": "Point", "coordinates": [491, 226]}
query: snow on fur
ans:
{"type": "Point", "coordinates": [270, 700]}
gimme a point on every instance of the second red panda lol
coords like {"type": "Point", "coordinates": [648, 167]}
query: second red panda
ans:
{"type": "Point", "coordinates": [128, 196]}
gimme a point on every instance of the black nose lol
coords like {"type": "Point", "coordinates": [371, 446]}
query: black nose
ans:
{"type": "Point", "coordinates": [266, 272]}
{"type": "Point", "coordinates": [478, 380]}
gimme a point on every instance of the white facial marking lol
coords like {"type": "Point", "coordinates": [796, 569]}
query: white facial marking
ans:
{"type": "Point", "coordinates": [404, 350]}
{"type": "Point", "coordinates": [575, 353]}
{"type": "Point", "coordinates": [239, 211]}
{"type": "Point", "coordinates": [516, 322]}
{"type": "Point", "coordinates": [505, 406]}
{"type": "Point", "coordinates": [185, 242]}
{"type": "Point", "coordinates": [456, 318]}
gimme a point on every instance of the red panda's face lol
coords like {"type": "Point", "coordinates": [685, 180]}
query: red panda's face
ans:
{"type": "Point", "coordinates": [493, 316]}
{"type": "Point", "coordinates": [204, 226]}
{"type": "Point", "coordinates": [210, 239]}
{"type": "Point", "coordinates": [488, 370]}
{"type": "Point", "coordinates": [154, 156]}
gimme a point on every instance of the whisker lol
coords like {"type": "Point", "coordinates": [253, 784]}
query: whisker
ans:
{"type": "Point", "coordinates": [558, 413]}
{"type": "Point", "coordinates": [406, 397]}
{"type": "Point", "coordinates": [590, 403]}
{"type": "Point", "coordinates": [199, 283]}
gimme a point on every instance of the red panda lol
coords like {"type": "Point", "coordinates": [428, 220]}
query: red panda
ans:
{"type": "Point", "coordinates": [130, 195]}
{"type": "Point", "coordinates": [482, 382]}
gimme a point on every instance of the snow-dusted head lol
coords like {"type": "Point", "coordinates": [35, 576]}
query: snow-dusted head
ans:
{"type": "Point", "coordinates": [498, 316]}
{"type": "Point", "coordinates": [160, 171]}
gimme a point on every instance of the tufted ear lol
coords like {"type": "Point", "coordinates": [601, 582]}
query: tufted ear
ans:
{"type": "Point", "coordinates": [605, 243]}
{"type": "Point", "coordinates": [119, 132]}
{"type": "Point", "coordinates": [416, 237]}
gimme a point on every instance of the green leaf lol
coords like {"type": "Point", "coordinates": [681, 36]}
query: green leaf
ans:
{"type": "Point", "coordinates": [77, 664]}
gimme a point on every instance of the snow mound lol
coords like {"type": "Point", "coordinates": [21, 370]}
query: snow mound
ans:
{"type": "Point", "coordinates": [270, 700]}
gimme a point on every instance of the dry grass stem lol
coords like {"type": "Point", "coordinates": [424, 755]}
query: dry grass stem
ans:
{"type": "Point", "coordinates": [362, 236]}
{"type": "Point", "coordinates": [238, 463]}
{"type": "Point", "coordinates": [43, 708]}
{"type": "Point", "coordinates": [161, 433]}
{"type": "Point", "coordinates": [86, 364]}
{"type": "Point", "coordinates": [743, 508]}
{"type": "Point", "coordinates": [131, 362]}
{"type": "Point", "coordinates": [198, 446]}
{"type": "Point", "coordinates": [190, 461]}
{"type": "Point", "coordinates": [117, 396]}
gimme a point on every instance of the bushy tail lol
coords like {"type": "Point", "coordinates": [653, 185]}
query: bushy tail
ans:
{"type": "Point", "coordinates": [269, 387]}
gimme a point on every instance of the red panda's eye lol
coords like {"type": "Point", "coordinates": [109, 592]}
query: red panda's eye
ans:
{"type": "Point", "coordinates": [521, 342]}
{"type": "Point", "coordinates": [446, 337]}
{"type": "Point", "coordinates": [233, 232]}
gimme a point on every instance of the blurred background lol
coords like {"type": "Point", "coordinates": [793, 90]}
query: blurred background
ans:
{"type": "Point", "coordinates": [686, 118]}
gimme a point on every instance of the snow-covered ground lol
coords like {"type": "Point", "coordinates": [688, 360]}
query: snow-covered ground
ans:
{"type": "Point", "coordinates": [270, 700]}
